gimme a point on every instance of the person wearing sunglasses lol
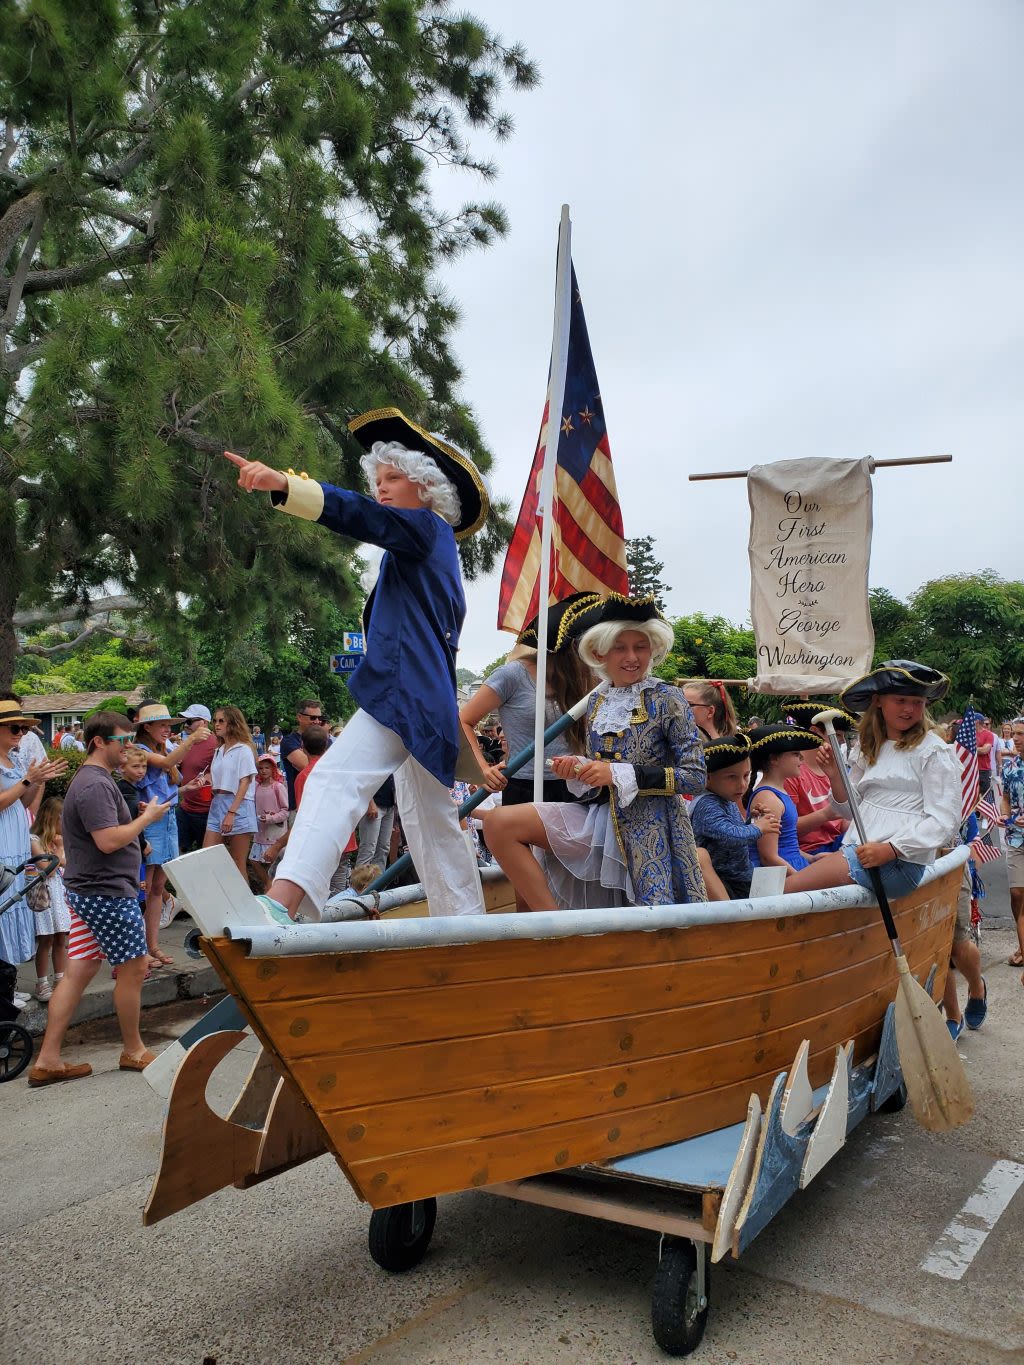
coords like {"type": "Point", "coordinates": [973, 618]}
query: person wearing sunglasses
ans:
{"type": "Point", "coordinates": [19, 788]}
{"type": "Point", "coordinates": [293, 756]}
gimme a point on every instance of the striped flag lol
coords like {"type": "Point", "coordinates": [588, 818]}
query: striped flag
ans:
{"type": "Point", "coordinates": [588, 549]}
{"type": "Point", "coordinates": [983, 852]}
{"type": "Point", "coordinates": [987, 811]}
{"type": "Point", "coordinates": [966, 745]}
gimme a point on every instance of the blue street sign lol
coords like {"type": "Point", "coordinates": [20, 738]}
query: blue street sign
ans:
{"type": "Point", "coordinates": [352, 642]}
{"type": "Point", "coordinates": [345, 663]}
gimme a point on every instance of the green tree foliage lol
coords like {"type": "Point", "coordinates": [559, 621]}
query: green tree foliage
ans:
{"type": "Point", "coordinates": [199, 666]}
{"type": "Point", "coordinates": [217, 229]}
{"type": "Point", "coordinates": [970, 626]}
{"type": "Point", "coordinates": [102, 665]}
{"type": "Point", "coordinates": [709, 647]}
{"type": "Point", "coordinates": [645, 570]}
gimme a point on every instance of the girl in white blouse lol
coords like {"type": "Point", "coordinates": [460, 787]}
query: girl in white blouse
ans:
{"type": "Point", "coordinates": [907, 780]}
{"type": "Point", "coordinates": [232, 818]}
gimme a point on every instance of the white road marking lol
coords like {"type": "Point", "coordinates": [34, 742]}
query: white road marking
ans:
{"type": "Point", "coordinates": [961, 1241]}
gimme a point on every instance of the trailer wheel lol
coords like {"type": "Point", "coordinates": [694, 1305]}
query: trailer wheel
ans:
{"type": "Point", "coordinates": [896, 1101]}
{"type": "Point", "coordinates": [399, 1236]}
{"type": "Point", "coordinates": [16, 1046]}
{"type": "Point", "coordinates": [681, 1297]}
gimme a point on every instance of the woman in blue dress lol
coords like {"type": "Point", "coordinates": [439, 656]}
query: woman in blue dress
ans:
{"type": "Point", "coordinates": [19, 787]}
{"type": "Point", "coordinates": [775, 753]}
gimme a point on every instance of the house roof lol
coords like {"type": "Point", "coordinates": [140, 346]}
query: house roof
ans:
{"type": "Point", "coordinates": [50, 703]}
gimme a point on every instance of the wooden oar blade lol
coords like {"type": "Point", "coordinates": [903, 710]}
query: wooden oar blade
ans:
{"type": "Point", "coordinates": [933, 1073]}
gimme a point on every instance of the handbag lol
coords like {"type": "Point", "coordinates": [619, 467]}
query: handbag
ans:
{"type": "Point", "coordinates": [37, 896]}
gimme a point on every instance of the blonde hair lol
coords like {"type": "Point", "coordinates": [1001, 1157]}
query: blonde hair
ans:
{"type": "Point", "coordinates": [871, 733]}
{"type": "Point", "coordinates": [134, 752]}
{"type": "Point", "coordinates": [46, 827]}
{"type": "Point", "coordinates": [597, 642]}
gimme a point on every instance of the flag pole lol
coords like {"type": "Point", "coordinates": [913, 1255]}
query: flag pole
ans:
{"type": "Point", "coordinates": [556, 393]}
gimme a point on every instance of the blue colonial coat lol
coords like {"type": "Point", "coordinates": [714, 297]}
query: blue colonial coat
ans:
{"type": "Point", "coordinates": [653, 832]}
{"type": "Point", "coordinates": [413, 617]}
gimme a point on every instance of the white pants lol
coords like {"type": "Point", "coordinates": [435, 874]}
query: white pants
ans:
{"type": "Point", "coordinates": [335, 798]}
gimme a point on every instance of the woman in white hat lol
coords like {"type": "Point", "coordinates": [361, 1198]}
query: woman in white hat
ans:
{"type": "Point", "coordinates": [153, 724]}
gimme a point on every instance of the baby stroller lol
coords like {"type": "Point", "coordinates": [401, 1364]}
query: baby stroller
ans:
{"type": "Point", "coordinates": [16, 1043]}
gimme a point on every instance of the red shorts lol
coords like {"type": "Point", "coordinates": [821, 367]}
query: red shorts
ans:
{"type": "Point", "coordinates": [82, 944]}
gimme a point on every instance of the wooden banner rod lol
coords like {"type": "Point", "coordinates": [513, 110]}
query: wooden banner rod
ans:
{"type": "Point", "coordinates": [726, 682]}
{"type": "Point", "coordinates": [876, 464]}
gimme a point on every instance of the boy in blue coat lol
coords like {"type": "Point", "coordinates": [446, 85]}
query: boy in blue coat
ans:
{"type": "Point", "coordinates": [428, 494]}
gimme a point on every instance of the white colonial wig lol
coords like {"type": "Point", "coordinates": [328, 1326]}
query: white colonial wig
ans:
{"type": "Point", "coordinates": [436, 491]}
{"type": "Point", "coordinates": [596, 642]}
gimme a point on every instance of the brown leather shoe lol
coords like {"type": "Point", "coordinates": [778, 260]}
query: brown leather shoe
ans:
{"type": "Point", "coordinates": [136, 1063]}
{"type": "Point", "coordinates": [44, 1075]}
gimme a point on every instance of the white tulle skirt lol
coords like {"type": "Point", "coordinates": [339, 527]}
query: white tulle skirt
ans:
{"type": "Point", "coordinates": [585, 867]}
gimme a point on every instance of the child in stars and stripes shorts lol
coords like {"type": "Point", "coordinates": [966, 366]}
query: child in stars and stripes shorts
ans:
{"type": "Point", "coordinates": [113, 923]}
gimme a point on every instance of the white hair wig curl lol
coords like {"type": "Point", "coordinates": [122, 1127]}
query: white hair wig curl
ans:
{"type": "Point", "coordinates": [596, 642]}
{"type": "Point", "coordinates": [436, 491]}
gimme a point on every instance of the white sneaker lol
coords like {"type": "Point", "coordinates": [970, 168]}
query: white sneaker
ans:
{"type": "Point", "coordinates": [43, 989]}
{"type": "Point", "coordinates": [168, 912]}
{"type": "Point", "coordinates": [21, 999]}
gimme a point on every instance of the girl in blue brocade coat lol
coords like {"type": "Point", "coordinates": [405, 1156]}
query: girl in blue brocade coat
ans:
{"type": "Point", "coordinates": [631, 843]}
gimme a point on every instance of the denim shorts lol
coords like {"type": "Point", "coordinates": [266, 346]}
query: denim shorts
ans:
{"type": "Point", "coordinates": [162, 838]}
{"type": "Point", "coordinates": [899, 877]}
{"type": "Point", "coordinates": [245, 816]}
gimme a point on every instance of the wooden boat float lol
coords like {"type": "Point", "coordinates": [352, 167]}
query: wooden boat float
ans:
{"type": "Point", "coordinates": [431, 1055]}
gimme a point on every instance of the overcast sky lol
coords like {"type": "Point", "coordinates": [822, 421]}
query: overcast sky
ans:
{"type": "Point", "coordinates": [797, 232]}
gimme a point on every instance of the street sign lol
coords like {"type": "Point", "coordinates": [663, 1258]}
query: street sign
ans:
{"type": "Point", "coordinates": [345, 663]}
{"type": "Point", "coordinates": [352, 642]}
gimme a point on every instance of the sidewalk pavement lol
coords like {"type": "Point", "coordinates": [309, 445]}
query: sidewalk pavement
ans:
{"type": "Point", "coordinates": [188, 979]}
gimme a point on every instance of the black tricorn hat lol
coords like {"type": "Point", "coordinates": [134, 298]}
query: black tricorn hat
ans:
{"type": "Point", "coordinates": [391, 424]}
{"type": "Point", "coordinates": [615, 607]}
{"type": "Point", "coordinates": [901, 676]}
{"type": "Point", "coordinates": [803, 713]}
{"type": "Point", "coordinates": [726, 752]}
{"type": "Point", "coordinates": [781, 739]}
{"type": "Point", "coordinates": [567, 620]}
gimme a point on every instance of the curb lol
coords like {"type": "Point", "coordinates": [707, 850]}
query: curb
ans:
{"type": "Point", "coordinates": [162, 988]}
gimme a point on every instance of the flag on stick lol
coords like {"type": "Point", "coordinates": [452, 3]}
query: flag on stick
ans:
{"type": "Point", "coordinates": [983, 852]}
{"type": "Point", "coordinates": [966, 745]}
{"type": "Point", "coordinates": [588, 550]}
{"type": "Point", "coordinates": [987, 811]}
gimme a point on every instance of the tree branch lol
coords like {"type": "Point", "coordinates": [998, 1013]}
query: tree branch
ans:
{"type": "Point", "coordinates": [20, 275]}
{"type": "Point", "coordinates": [101, 606]}
{"type": "Point", "coordinates": [247, 87]}
{"type": "Point", "coordinates": [14, 222]}
{"type": "Point", "coordinates": [46, 281]}
{"type": "Point", "coordinates": [115, 174]}
{"type": "Point", "coordinates": [13, 362]}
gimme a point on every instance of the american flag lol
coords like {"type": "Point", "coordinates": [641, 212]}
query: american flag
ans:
{"type": "Point", "coordinates": [966, 746]}
{"type": "Point", "coordinates": [588, 550]}
{"type": "Point", "coordinates": [987, 811]}
{"type": "Point", "coordinates": [983, 852]}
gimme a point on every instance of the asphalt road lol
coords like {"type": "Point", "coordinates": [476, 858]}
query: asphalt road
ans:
{"type": "Point", "coordinates": [281, 1274]}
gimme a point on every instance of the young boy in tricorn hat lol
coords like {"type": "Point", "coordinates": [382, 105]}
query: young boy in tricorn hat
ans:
{"type": "Point", "coordinates": [427, 495]}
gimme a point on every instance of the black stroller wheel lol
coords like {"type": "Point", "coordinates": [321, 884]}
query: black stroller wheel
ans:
{"type": "Point", "coordinates": [16, 1046]}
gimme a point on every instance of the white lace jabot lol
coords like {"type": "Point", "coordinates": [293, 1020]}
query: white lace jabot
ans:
{"type": "Point", "coordinates": [618, 704]}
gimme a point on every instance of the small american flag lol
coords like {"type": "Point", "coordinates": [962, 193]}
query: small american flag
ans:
{"type": "Point", "coordinates": [984, 853]}
{"type": "Point", "coordinates": [987, 811]}
{"type": "Point", "coordinates": [966, 746]}
{"type": "Point", "coordinates": [588, 550]}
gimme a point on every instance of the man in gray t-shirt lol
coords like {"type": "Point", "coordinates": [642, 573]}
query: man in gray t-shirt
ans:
{"type": "Point", "coordinates": [102, 852]}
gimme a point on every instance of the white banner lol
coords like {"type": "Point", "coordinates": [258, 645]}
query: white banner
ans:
{"type": "Point", "coordinates": [810, 542]}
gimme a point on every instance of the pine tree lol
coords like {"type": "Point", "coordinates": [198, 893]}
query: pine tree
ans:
{"type": "Point", "coordinates": [217, 230]}
{"type": "Point", "coordinates": [645, 571]}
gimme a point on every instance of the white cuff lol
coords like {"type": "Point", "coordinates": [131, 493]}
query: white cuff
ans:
{"type": "Point", "coordinates": [624, 777]}
{"type": "Point", "coordinates": [305, 497]}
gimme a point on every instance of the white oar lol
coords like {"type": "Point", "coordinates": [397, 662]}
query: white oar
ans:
{"type": "Point", "coordinates": [933, 1073]}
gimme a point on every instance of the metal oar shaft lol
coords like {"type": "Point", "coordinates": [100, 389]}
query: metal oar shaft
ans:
{"type": "Point", "coordinates": [403, 863]}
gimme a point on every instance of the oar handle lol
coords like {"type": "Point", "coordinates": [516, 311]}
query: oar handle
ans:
{"type": "Point", "coordinates": [827, 719]}
{"type": "Point", "coordinates": [513, 765]}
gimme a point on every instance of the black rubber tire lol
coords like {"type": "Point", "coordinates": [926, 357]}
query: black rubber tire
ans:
{"type": "Point", "coordinates": [16, 1045]}
{"type": "Point", "coordinates": [677, 1320]}
{"type": "Point", "coordinates": [399, 1236]}
{"type": "Point", "coordinates": [896, 1101]}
